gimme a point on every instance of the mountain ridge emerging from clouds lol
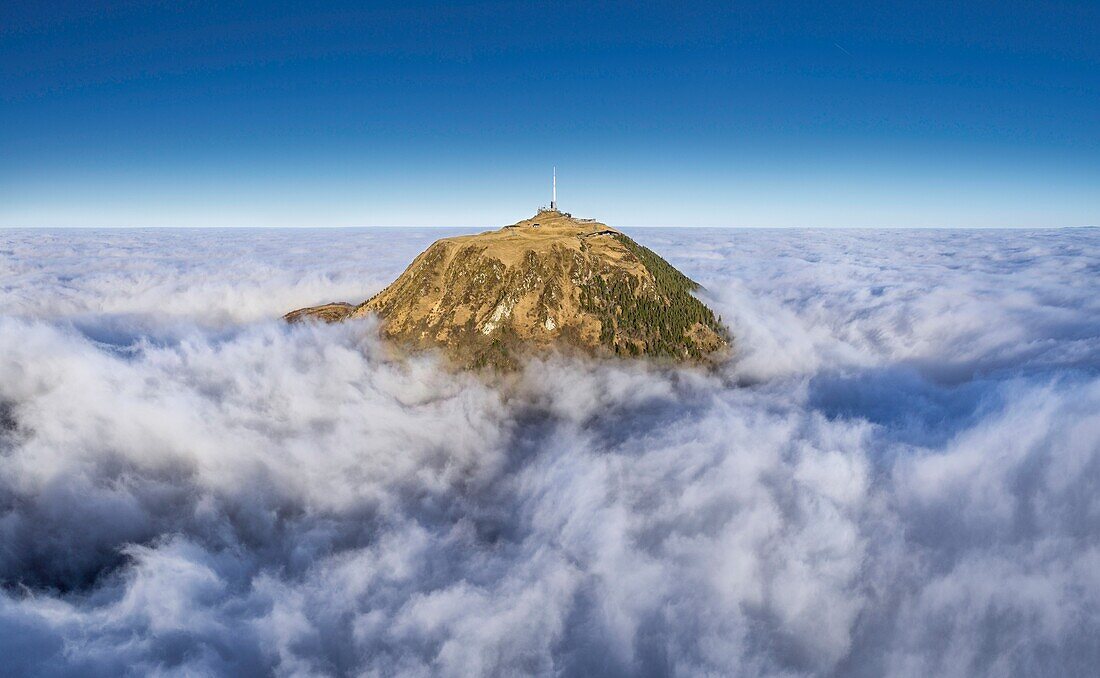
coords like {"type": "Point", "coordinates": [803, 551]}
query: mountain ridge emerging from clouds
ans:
{"type": "Point", "coordinates": [550, 282]}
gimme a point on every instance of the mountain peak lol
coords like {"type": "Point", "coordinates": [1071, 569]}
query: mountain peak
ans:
{"type": "Point", "coordinates": [549, 282]}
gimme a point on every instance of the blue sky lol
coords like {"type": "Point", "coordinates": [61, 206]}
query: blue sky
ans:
{"type": "Point", "coordinates": [451, 114]}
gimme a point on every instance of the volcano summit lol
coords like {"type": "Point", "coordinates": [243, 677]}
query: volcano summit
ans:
{"type": "Point", "coordinates": [551, 282]}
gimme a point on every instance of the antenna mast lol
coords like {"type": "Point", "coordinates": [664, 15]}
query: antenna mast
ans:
{"type": "Point", "coordinates": [554, 195]}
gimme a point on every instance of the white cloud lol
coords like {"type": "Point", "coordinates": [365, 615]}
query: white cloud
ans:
{"type": "Point", "coordinates": [896, 476]}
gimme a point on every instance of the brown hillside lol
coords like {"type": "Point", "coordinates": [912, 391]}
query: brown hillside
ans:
{"type": "Point", "coordinates": [548, 282]}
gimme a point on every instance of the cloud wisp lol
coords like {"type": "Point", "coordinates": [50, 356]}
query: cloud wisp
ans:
{"type": "Point", "coordinates": [897, 476]}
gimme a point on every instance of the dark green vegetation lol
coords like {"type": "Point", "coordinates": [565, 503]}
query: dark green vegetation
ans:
{"type": "Point", "coordinates": [663, 322]}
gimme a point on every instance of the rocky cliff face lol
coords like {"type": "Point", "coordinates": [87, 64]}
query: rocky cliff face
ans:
{"type": "Point", "coordinates": [550, 282]}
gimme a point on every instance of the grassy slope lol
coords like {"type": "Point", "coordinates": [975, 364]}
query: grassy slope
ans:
{"type": "Point", "coordinates": [659, 325]}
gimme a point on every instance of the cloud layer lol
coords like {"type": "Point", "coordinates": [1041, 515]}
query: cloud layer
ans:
{"type": "Point", "coordinates": [897, 476]}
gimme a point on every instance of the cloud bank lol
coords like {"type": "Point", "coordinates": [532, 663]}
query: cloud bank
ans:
{"type": "Point", "coordinates": [898, 475]}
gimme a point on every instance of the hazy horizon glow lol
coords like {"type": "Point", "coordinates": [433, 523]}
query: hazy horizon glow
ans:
{"type": "Point", "coordinates": [441, 115]}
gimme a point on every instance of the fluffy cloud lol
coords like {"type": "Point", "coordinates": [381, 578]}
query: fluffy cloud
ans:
{"type": "Point", "coordinates": [897, 476]}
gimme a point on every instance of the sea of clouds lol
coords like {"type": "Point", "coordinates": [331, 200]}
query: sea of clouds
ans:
{"type": "Point", "coordinates": [898, 475]}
